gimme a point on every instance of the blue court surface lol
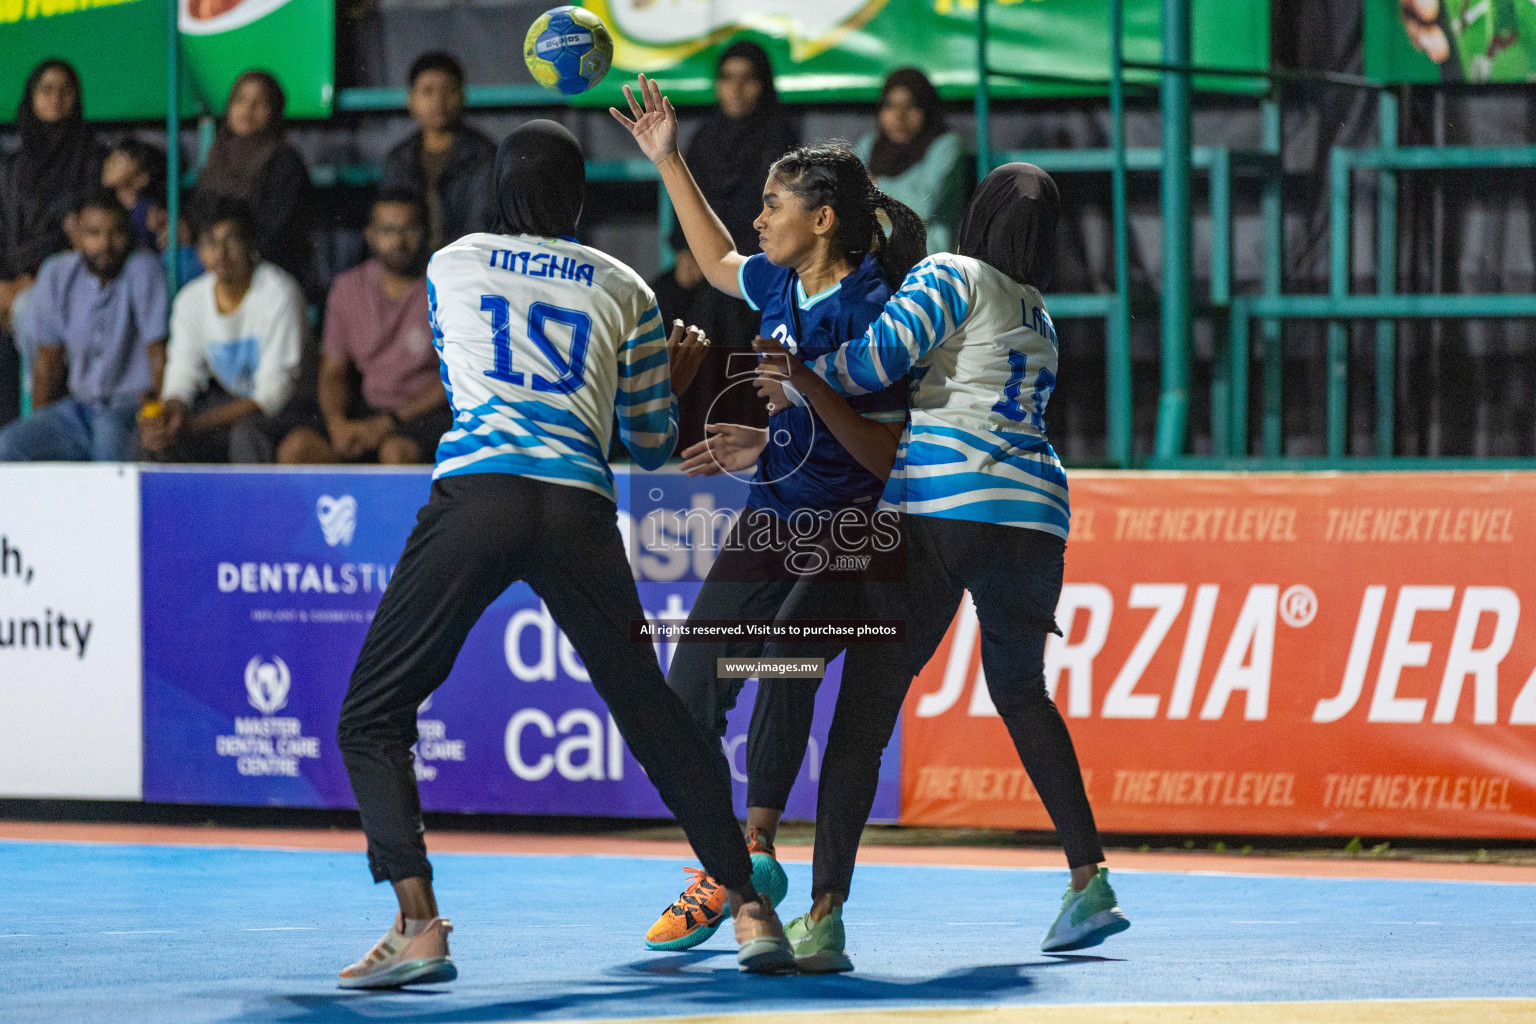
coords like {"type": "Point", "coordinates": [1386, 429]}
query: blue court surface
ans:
{"type": "Point", "coordinates": [108, 933]}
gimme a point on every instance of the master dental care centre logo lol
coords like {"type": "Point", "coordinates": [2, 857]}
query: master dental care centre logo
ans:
{"type": "Point", "coordinates": [266, 743]}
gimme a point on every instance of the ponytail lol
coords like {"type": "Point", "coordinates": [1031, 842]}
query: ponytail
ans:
{"type": "Point", "coordinates": [907, 245]}
{"type": "Point", "coordinates": [830, 174]}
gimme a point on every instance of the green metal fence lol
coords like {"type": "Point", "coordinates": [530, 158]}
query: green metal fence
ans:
{"type": "Point", "coordinates": [1176, 161]}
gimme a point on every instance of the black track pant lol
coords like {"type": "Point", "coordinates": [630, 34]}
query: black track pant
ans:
{"type": "Point", "coordinates": [1014, 576]}
{"type": "Point", "coordinates": [476, 536]}
{"type": "Point", "coordinates": [764, 574]}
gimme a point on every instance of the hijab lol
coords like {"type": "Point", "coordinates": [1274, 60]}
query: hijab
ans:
{"type": "Point", "coordinates": [730, 156]}
{"type": "Point", "coordinates": [236, 162]}
{"type": "Point", "coordinates": [540, 177]}
{"type": "Point", "coordinates": [1011, 224]}
{"type": "Point", "coordinates": [53, 153]}
{"type": "Point", "coordinates": [888, 159]}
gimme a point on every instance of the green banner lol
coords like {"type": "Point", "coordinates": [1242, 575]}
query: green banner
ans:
{"type": "Point", "coordinates": [830, 50]}
{"type": "Point", "coordinates": [119, 48]}
{"type": "Point", "coordinates": [1411, 41]}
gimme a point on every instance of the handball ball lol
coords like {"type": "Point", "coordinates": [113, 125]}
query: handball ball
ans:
{"type": "Point", "coordinates": [568, 48]}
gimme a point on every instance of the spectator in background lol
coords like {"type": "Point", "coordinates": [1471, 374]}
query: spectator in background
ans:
{"type": "Point", "coordinates": [96, 330]}
{"type": "Point", "coordinates": [913, 156]}
{"type": "Point", "coordinates": [135, 172]}
{"type": "Point", "coordinates": [730, 155]}
{"type": "Point", "coordinates": [445, 160]}
{"type": "Point", "coordinates": [237, 337]}
{"type": "Point", "coordinates": [376, 325]}
{"type": "Point", "coordinates": [251, 161]}
{"type": "Point", "coordinates": [731, 152]}
{"type": "Point", "coordinates": [58, 162]}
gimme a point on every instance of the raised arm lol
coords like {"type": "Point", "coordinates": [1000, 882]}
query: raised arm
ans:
{"type": "Point", "coordinates": [931, 304]}
{"type": "Point", "coordinates": [654, 127]}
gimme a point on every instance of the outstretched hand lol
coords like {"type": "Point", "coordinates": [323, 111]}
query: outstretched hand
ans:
{"type": "Point", "coordinates": [729, 448]}
{"type": "Point", "coordinates": [655, 122]}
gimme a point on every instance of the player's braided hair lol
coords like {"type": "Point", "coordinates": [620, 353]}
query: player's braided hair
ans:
{"type": "Point", "coordinates": [830, 174]}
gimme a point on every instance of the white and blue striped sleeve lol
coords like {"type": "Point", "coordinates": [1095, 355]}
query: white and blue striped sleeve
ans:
{"type": "Point", "coordinates": [932, 303]}
{"type": "Point", "coordinates": [645, 404]}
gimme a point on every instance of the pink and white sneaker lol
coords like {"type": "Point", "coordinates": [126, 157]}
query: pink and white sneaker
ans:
{"type": "Point", "coordinates": [397, 960]}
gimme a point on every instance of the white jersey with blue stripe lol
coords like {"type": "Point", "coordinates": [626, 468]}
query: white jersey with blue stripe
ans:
{"type": "Point", "coordinates": [980, 353]}
{"type": "Point", "coordinates": [541, 342]}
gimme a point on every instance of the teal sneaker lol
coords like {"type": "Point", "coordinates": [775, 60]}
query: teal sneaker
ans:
{"type": "Point", "coordinates": [768, 877]}
{"type": "Point", "coordinates": [818, 945]}
{"type": "Point", "coordinates": [1086, 918]}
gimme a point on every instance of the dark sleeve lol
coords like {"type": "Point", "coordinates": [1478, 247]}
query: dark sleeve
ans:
{"type": "Point", "coordinates": [283, 213]}
{"type": "Point", "coordinates": [45, 235]}
{"type": "Point", "coordinates": [400, 167]}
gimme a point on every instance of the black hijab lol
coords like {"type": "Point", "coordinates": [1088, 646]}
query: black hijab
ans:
{"type": "Point", "coordinates": [888, 159]}
{"type": "Point", "coordinates": [730, 156]}
{"type": "Point", "coordinates": [1011, 224]}
{"type": "Point", "coordinates": [58, 162]}
{"type": "Point", "coordinates": [539, 178]}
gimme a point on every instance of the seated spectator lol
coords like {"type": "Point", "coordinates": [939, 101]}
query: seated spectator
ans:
{"type": "Point", "coordinates": [376, 326]}
{"type": "Point", "coordinates": [913, 157]}
{"type": "Point", "coordinates": [96, 330]}
{"type": "Point", "coordinates": [135, 171]}
{"type": "Point", "coordinates": [40, 184]}
{"type": "Point", "coordinates": [445, 160]}
{"type": "Point", "coordinates": [251, 161]}
{"type": "Point", "coordinates": [237, 338]}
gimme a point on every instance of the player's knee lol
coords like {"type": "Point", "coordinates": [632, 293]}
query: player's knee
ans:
{"type": "Point", "coordinates": [1018, 694]}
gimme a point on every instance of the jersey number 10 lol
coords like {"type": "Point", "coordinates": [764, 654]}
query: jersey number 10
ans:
{"type": "Point", "coordinates": [539, 314]}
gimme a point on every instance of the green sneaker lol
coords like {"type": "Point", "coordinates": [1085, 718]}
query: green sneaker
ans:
{"type": "Point", "coordinates": [818, 945]}
{"type": "Point", "coordinates": [1086, 918]}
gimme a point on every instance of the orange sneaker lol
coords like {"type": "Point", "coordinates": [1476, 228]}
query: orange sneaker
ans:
{"type": "Point", "coordinates": [692, 918]}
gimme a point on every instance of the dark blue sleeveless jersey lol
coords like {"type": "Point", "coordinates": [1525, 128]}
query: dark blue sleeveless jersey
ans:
{"type": "Point", "coordinates": [804, 466]}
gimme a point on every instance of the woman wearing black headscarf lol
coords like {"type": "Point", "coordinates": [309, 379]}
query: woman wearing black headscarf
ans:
{"type": "Point", "coordinates": [983, 503]}
{"type": "Point", "coordinates": [251, 160]}
{"type": "Point", "coordinates": [59, 161]}
{"type": "Point", "coordinates": [543, 341]}
{"type": "Point", "coordinates": [914, 157]}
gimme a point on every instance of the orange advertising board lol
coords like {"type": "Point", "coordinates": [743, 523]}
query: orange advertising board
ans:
{"type": "Point", "coordinates": [1296, 653]}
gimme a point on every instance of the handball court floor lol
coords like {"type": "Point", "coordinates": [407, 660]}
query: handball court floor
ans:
{"type": "Point", "coordinates": [180, 925]}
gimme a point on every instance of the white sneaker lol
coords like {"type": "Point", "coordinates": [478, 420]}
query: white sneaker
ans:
{"type": "Point", "coordinates": [396, 960]}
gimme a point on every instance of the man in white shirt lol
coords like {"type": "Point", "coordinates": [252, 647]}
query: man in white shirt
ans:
{"type": "Point", "coordinates": [237, 337]}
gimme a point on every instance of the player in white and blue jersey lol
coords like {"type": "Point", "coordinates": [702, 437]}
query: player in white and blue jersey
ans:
{"type": "Point", "coordinates": [984, 505]}
{"type": "Point", "coordinates": [814, 491]}
{"type": "Point", "coordinates": [541, 340]}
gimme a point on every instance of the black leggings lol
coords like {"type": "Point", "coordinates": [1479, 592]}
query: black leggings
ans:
{"type": "Point", "coordinates": [1014, 576]}
{"type": "Point", "coordinates": [756, 579]}
{"type": "Point", "coordinates": [476, 536]}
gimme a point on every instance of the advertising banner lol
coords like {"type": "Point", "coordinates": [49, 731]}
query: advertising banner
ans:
{"type": "Point", "coordinates": [258, 591]}
{"type": "Point", "coordinates": [830, 50]}
{"type": "Point", "coordinates": [1410, 41]}
{"type": "Point", "coordinates": [69, 631]}
{"type": "Point", "coordinates": [119, 49]}
{"type": "Point", "coordinates": [1267, 654]}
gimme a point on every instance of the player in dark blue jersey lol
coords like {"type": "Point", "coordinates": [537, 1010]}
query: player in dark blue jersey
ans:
{"type": "Point", "coordinates": [825, 272]}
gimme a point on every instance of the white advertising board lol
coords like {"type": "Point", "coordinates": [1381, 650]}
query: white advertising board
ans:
{"type": "Point", "coordinates": [70, 633]}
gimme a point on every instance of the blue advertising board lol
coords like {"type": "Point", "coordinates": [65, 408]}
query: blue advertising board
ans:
{"type": "Point", "coordinates": [258, 588]}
